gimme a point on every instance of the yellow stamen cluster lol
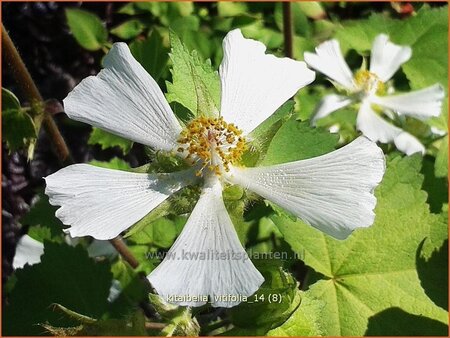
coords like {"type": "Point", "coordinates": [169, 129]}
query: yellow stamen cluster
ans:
{"type": "Point", "coordinates": [368, 81]}
{"type": "Point", "coordinates": [214, 142]}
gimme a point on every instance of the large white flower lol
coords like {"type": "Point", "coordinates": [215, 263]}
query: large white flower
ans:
{"type": "Point", "coordinates": [333, 192]}
{"type": "Point", "coordinates": [369, 87]}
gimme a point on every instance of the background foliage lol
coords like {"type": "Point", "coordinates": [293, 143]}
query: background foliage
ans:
{"type": "Point", "coordinates": [390, 279]}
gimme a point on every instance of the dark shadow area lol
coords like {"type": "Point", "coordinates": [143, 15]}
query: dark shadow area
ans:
{"type": "Point", "coordinates": [436, 187]}
{"type": "Point", "coordinates": [433, 274]}
{"type": "Point", "coordinates": [396, 322]}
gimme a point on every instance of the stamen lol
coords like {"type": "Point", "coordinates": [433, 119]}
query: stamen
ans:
{"type": "Point", "coordinates": [214, 142]}
{"type": "Point", "coordinates": [369, 82]}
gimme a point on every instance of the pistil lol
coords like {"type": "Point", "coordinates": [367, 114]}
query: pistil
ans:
{"type": "Point", "coordinates": [369, 82]}
{"type": "Point", "coordinates": [213, 142]}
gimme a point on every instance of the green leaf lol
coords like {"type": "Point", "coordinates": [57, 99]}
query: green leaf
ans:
{"type": "Point", "coordinates": [231, 8]}
{"type": "Point", "coordinates": [305, 321]}
{"type": "Point", "coordinates": [129, 29]}
{"type": "Point", "coordinates": [234, 199]}
{"type": "Point", "coordinates": [67, 276]}
{"type": "Point", "coordinates": [133, 288]}
{"type": "Point", "coordinates": [312, 9]}
{"type": "Point", "coordinates": [300, 46]}
{"type": "Point", "coordinates": [375, 268]}
{"type": "Point", "coordinates": [9, 100]}
{"type": "Point", "coordinates": [263, 134]}
{"type": "Point", "coordinates": [426, 33]}
{"type": "Point", "coordinates": [182, 324]}
{"type": "Point", "coordinates": [161, 232]}
{"type": "Point", "coordinates": [115, 163]}
{"type": "Point", "coordinates": [432, 263]}
{"type": "Point", "coordinates": [269, 37]}
{"type": "Point", "coordinates": [195, 85]}
{"type": "Point", "coordinates": [188, 30]}
{"type": "Point", "coordinates": [18, 128]}
{"type": "Point", "coordinates": [40, 233]}
{"type": "Point", "coordinates": [129, 9]}
{"type": "Point", "coordinates": [272, 304]}
{"type": "Point", "coordinates": [42, 213]}
{"type": "Point", "coordinates": [296, 140]}
{"type": "Point", "coordinates": [441, 165]}
{"type": "Point", "coordinates": [301, 26]}
{"type": "Point", "coordinates": [87, 28]}
{"type": "Point", "coordinates": [151, 54]}
{"type": "Point", "coordinates": [180, 203]}
{"type": "Point", "coordinates": [108, 140]}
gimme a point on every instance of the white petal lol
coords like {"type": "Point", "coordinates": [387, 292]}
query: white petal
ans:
{"type": "Point", "coordinates": [224, 270]}
{"type": "Point", "coordinates": [329, 60]}
{"type": "Point", "coordinates": [28, 251]}
{"type": "Point", "coordinates": [374, 126]}
{"type": "Point", "coordinates": [255, 84]}
{"type": "Point", "coordinates": [125, 100]}
{"type": "Point", "coordinates": [329, 104]}
{"type": "Point", "coordinates": [421, 104]}
{"type": "Point", "coordinates": [387, 57]}
{"type": "Point", "coordinates": [102, 203]}
{"type": "Point", "coordinates": [332, 192]}
{"type": "Point", "coordinates": [408, 144]}
{"type": "Point", "coordinates": [437, 131]}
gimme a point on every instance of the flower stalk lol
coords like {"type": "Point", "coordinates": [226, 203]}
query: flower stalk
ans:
{"type": "Point", "coordinates": [123, 250]}
{"type": "Point", "coordinates": [31, 92]}
{"type": "Point", "coordinates": [287, 29]}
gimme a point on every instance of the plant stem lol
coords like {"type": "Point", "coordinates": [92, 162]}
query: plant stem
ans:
{"type": "Point", "coordinates": [123, 250]}
{"type": "Point", "coordinates": [155, 326]}
{"type": "Point", "coordinates": [19, 70]}
{"type": "Point", "coordinates": [287, 29]}
{"type": "Point", "coordinates": [32, 94]}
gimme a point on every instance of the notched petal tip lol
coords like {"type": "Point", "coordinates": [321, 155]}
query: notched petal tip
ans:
{"type": "Point", "coordinates": [387, 57]}
{"type": "Point", "coordinates": [332, 192]}
{"type": "Point", "coordinates": [408, 144]}
{"type": "Point", "coordinates": [207, 262]}
{"type": "Point", "coordinates": [421, 104]}
{"type": "Point", "coordinates": [125, 100]}
{"type": "Point", "coordinates": [102, 202]}
{"type": "Point", "coordinates": [255, 84]}
{"type": "Point", "coordinates": [328, 59]}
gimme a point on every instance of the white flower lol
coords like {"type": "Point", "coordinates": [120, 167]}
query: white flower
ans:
{"type": "Point", "coordinates": [333, 192]}
{"type": "Point", "coordinates": [369, 87]}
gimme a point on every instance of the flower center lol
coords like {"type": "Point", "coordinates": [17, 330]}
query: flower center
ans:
{"type": "Point", "coordinates": [213, 142]}
{"type": "Point", "coordinates": [369, 82]}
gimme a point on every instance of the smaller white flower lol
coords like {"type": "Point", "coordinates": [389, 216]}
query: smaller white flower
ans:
{"type": "Point", "coordinates": [370, 88]}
